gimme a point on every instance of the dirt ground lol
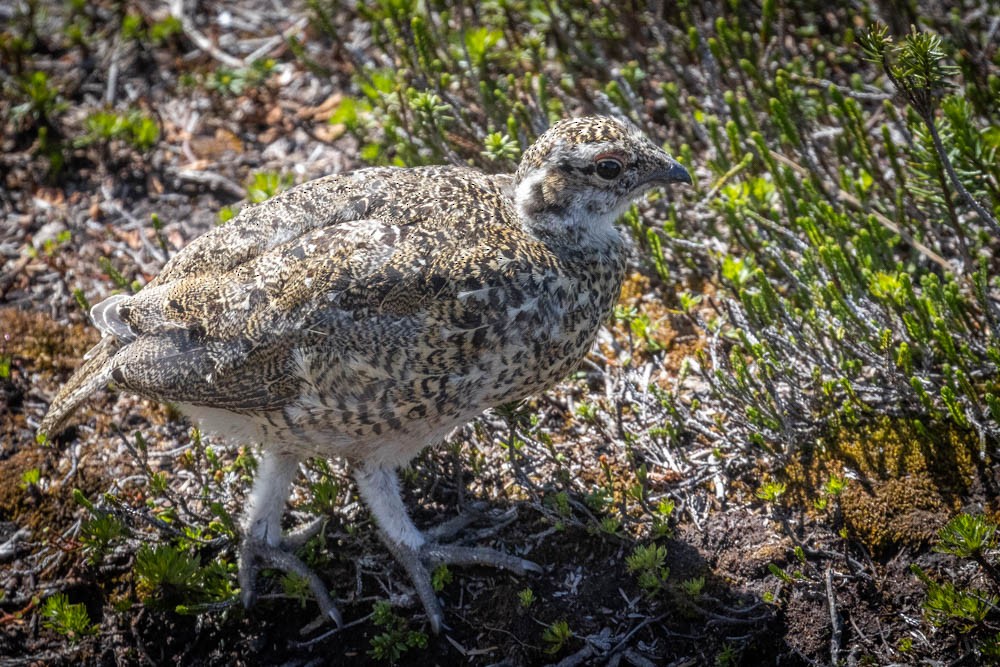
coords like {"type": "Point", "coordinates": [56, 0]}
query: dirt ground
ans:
{"type": "Point", "coordinates": [65, 237]}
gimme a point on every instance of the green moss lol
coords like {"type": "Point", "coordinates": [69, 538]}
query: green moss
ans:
{"type": "Point", "coordinates": [903, 479]}
{"type": "Point", "coordinates": [894, 448]}
{"type": "Point", "coordinates": [897, 512]}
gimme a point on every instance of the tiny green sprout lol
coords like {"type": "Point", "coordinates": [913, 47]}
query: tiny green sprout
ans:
{"type": "Point", "coordinates": [82, 501]}
{"type": "Point", "coordinates": [349, 112]}
{"type": "Point", "coordinates": [30, 478]}
{"type": "Point", "coordinates": [770, 492]}
{"type": "Point", "coordinates": [625, 313]}
{"type": "Point", "coordinates": [164, 29]}
{"type": "Point", "coordinates": [430, 107]}
{"type": "Point", "coordinates": [779, 573]}
{"type": "Point", "coordinates": [526, 597]}
{"type": "Point", "coordinates": [689, 301]}
{"type": "Point", "coordinates": [800, 554]}
{"type": "Point", "coordinates": [738, 271]}
{"type": "Point", "coordinates": [133, 127]}
{"type": "Point", "coordinates": [693, 587]}
{"type": "Point", "coordinates": [43, 100]}
{"type": "Point", "coordinates": [835, 486]}
{"type": "Point", "coordinates": [588, 412]}
{"type": "Point", "coordinates": [165, 575]}
{"type": "Point", "coordinates": [97, 535]}
{"type": "Point", "coordinates": [5, 362]}
{"type": "Point", "coordinates": [265, 184]}
{"type": "Point", "coordinates": [647, 563]}
{"type": "Point", "coordinates": [120, 281]}
{"type": "Point", "coordinates": [661, 518]}
{"type": "Point", "coordinates": [904, 645]}
{"type": "Point", "coordinates": [481, 44]}
{"type": "Point", "coordinates": [643, 328]}
{"type": "Point", "coordinates": [560, 502]}
{"type": "Point", "coordinates": [51, 246]}
{"type": "Point", "coordinates": [610, 525]}
{"type": "Point", "coordinates": [729, 655]}
{"type": "Point", "coordinates": [599, 499]}
{"type": "Point", "coordinates": [158, 483]}
{"type": "Point", "coordinates": [967, 536]}
{"type": "Point", "coordinates": [233, 82]}
{"type": "Point", "coordinates": [665, 508]}
{"type": "Point", "coordinates": [395, 640]}
{"type": "Point", "coordinates": [500, 146]}
{"type": "Point", "coordinates": [324, 495]}
{"type": "Point", "coordinates": [946, 604]}
{"type": "Point", "coordinates": [296, 588]}
{"type": "Point", "coordinates": [441, 577]}
{"type": "Point", "coordinates": [225, 214]}
{"type": "Point", "coordinates": [69, 620]}
{"type": "Point", "coordinates": [637, 491]}
{"type": "Point", "coordinates": [382, 613]}
{"type": "Point", "coordinates": [81, 300]}
{"type": "Point", "coordinates": [161, 240]}
{"type": "Point", "coordinates": [555, 636]}
{"type": "Point", "coordinates": [132, 27]}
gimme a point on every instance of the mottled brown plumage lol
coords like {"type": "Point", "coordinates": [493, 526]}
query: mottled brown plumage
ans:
{"type": "Point", "coordinates": [365, 315]}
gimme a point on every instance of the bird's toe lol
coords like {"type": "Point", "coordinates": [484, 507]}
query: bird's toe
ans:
{"type": "Point", "coordinates": [458, 555]}
{"type": "Point", "coordinates": [254, 553]}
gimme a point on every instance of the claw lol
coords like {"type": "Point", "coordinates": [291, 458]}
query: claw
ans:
{"type": "Point", "coordinates": [409, 558]}
{"type": "Point", "coordinates": [413, 561]}
{"type": "Point", "coordinates": [254, 551]}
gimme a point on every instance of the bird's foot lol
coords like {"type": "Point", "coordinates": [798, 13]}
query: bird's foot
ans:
{"type": "Point", "coordinates": [415, 562]}
{"type": "Point", "coordinates": [450, 554]}
{"type": "Point", "coordinates": [473, 513]}
{"type": "Point", "coordinates": [257, 553]}
{"type": "Point", "coordinates": [298, 537]}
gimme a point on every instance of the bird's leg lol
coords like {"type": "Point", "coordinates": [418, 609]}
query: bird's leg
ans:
{"type": "Point", "coordinates": [379, 488]}
{"type": "Point", "coordinates": [262, 533]}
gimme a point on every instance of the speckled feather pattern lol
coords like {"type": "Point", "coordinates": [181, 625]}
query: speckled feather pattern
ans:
{"type": "Point", "coordinates": [365, 315]}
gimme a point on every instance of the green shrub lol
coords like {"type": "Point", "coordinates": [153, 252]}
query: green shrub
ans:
{"type": "Point", "coordinates": [69, 620]}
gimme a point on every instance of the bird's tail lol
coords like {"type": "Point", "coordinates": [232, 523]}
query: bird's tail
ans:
{"type": "Point", "coordinates": [91, 377]}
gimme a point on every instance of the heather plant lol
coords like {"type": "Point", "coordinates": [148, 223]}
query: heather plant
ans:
{"type": "Point", "coordinates": [67, 619]}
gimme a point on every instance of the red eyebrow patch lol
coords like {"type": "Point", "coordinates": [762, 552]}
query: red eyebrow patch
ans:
{"type": "Point", "coordinates": [610, 155]}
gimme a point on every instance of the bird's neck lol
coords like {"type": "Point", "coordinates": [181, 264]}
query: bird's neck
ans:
{"type": "Point", "coordinates": [555, 214]}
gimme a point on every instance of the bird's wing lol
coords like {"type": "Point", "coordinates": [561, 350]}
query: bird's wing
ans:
{"type": "Point", "coordinates": [232, 333]}
{"type": "Point", "coordinates": [388, 194]}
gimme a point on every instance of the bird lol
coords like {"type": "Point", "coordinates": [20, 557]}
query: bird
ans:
{"type": "Point", "coordinates": [365, 315]}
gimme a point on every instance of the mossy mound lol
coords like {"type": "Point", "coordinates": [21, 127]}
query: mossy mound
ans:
{"type": "Point", "coordinates": [903, 479]}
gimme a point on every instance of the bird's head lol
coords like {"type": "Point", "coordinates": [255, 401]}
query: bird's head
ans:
{"type": "Point", "coordinates": [583, 173]}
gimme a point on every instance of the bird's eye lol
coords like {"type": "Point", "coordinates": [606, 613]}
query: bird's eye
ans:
{"type": "Point", "coordinates": [608, 168]}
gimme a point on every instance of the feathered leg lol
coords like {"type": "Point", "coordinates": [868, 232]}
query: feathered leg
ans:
{"type": "Point", "coordinates": [379, 488]}
{"type": "Point", "coordinates": [263, 537]}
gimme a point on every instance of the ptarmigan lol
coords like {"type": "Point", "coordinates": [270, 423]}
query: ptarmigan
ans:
{"type": "Point", "coordinates": [365, 315]}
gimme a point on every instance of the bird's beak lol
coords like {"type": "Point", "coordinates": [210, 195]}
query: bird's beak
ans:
{"type": "Point", "coordinates": [671, 172]}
